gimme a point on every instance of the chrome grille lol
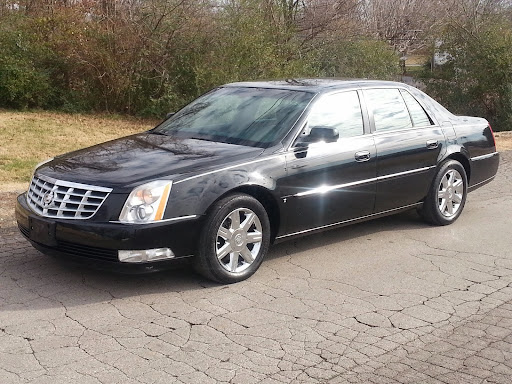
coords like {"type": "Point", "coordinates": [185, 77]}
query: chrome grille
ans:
{"type": "Point", "coordinates": [63, 199]}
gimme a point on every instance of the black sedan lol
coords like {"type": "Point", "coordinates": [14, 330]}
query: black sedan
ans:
{"type": "Point", "coordinates": [249, 164]}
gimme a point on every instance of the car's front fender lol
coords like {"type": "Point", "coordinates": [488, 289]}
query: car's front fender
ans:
{"type": "Point", "coordinates": [195, 194]}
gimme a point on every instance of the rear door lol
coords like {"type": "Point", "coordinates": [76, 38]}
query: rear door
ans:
{"type": "Point", "coordinates": [328, 183]}
{"type": "Point", "coordinates": [408, 144]}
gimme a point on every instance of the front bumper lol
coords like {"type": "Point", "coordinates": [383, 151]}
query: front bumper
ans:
{"type": "Point", "coordinates": [96, 244]}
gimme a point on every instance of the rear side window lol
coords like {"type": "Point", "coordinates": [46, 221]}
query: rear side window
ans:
{"type": "Point", "coordinates": [418, 114]}
{"type": "Point", "coordinates": [341, 111]}
{"type": "Point", "coordinates": [389, 110]}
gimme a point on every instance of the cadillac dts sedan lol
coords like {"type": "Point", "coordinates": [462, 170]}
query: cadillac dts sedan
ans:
{"type": "Point", "coordinates": [250, 164]}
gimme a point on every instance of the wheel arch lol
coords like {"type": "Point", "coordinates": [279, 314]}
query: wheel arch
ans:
{"type": "Point", "coordinates": [464, 161]}
{"type": "Point", "coordinates": [265, 197]}
{"type": "Point", "coordinates": [458, 154]}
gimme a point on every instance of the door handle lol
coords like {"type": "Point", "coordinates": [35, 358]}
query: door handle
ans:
{"type": "Point", "coordinates": [432, 144]}
{"type": "Point", "coordinates": [362, 156]}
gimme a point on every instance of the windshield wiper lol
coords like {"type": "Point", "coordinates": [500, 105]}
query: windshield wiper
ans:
{"type": "Point", "coordinates": [203, 139]}
{"type": "Point", "coordinates": [158, 133]}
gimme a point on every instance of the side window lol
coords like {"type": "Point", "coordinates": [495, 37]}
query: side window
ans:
{"type": "Point", "coordinates": [418, 115]}
{"type": "Point", "coordinates": [341, 111]}
{"type": "Point", "coordinates": [389, 110]}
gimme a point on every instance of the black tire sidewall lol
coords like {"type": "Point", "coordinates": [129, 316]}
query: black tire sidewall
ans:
{"type": "Point", "coordinates": [207, 260]}
{"type": "Point", "coordinates": [431, 209]}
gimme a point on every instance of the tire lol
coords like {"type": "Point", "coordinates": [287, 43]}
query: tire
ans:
{"type": "Point", "coordinates": [231, 249]}
{"type": "Point", "coordinates": [447, 194]}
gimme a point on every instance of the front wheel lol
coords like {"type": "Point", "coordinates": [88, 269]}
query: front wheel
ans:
{"type": "Point", "coordinates": [234, 240]}
{"type": "Point", "coordinates": [447, 194]}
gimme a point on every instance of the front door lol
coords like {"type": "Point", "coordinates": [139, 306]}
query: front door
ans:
{"type": "Point", "coordinates": [330, 182]}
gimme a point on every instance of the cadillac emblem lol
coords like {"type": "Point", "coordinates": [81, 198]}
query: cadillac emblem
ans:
{"type": "Point", "coordinates": [48, 199]}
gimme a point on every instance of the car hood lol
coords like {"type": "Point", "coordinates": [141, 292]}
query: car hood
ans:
{"type": "Point", "coordinates": [132, 160]}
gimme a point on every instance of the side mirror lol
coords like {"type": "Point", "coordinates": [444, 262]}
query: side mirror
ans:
{"type": "Point", "coordinates": [325, 134]}
{"type": "Point", "coordinates": [170, 114]}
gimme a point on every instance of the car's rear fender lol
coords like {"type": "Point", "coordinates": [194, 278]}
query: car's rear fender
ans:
{"type": "Point", "coordinates": [476, 141]}
{"type": "Point", "coordinates": [475, 135]}
{"type": "Point", "coordinates": [479, 169]}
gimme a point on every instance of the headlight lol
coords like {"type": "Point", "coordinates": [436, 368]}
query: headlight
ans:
{"type": "Point", "coordinates": [146, 203]}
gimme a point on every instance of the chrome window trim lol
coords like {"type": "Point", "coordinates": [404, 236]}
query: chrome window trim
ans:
{"type": "Point", "coordinates": [348, 221]}
{"type": "Point", "coordinates": [483, 157]}
{"type": "Point", "coordinates": [335, 144]}
{"type": "Point", "coordinates": [380, 133]}
{"type": "Point", "coordinates": [326, 189]}
{"type": "Point", "coordinates": [179, 218]}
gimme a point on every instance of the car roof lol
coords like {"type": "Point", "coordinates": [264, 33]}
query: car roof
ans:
{"type": "Point", "coordinates": [315, 85]}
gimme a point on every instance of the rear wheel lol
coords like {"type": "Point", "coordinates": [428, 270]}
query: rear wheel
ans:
{"type": "Point", "coordinates": [234, 239]}
{"type": "Point", "coordinates": [447, 195]}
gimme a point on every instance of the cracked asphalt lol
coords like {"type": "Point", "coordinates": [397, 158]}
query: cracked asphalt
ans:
{"type": "Point", "coordinates": [388, 301]}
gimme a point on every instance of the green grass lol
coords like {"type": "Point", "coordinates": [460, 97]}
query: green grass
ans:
{"type": "Point", "coordinates": [16, 165]}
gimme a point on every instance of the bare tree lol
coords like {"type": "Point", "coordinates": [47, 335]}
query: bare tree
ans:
{"type": "Point", "coordinates": [403, 23]}
{"type": "Point", "coordinates": [329, 16]}
{"type": "Point", "coordinates": [472, 13]}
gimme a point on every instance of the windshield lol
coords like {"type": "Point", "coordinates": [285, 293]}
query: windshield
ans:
{"type": "Point", "coordinates": [245, 116]}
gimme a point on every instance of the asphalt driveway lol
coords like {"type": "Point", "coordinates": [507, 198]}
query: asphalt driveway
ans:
{"type": "Point", "coordinates": [393, 300]}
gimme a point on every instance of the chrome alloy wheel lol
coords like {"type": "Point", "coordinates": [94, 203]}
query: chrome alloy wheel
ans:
{"type": "Point", "coordinates": [239, 240]}
{"type": "Point", "coordinates": [450, 193]}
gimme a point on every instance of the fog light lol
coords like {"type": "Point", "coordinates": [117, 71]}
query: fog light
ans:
{"type": "Point", "coordinates": [145, 255]}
